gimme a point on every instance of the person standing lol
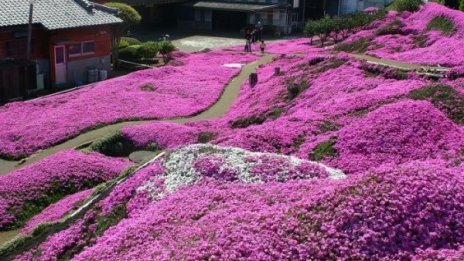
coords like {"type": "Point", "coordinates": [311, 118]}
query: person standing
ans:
{"type": "Point", "coordinates": [259, 31]}
{"type": "Point", "coordinates": [262, 46]}
{"type": "Point", "coordinates": [248, 40]}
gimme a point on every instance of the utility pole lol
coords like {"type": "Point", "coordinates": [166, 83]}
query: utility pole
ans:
{"type": "Point", "coordinates": [29, 30]}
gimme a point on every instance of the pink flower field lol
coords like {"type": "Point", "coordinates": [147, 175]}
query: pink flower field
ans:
{"type": "Point", "coordinates": [171, 91]}
{"type": "Point", "coordinates": [27, 190]}
{"type": "Point", "coordinates": [332, 158]}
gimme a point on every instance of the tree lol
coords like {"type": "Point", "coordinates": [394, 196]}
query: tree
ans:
{"type": "Point", "coordinates": [324, 27]}
{"type": "Point", "coordinates": [130, 17]}
{"type": "Point", "coordinates": [310, 29]}
{"type": "Point", "coordinates": [337, 27]}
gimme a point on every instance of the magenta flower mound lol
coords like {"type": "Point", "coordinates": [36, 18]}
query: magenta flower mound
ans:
{"type": "Point", "coordinates": [48, 180]}
{"type": "Point", "coordinates": [398, 133]}
{"type": "Point", "coordinates": [57, 211]}
{"type": "Point", "coordinates": [435, 46]}
{"type": "Point", "coordinates": [163, 134]}
{"type": "Point", "coordinates": [390, 213]}
{"type": "Point", "coordinates": [128, 190]}
{"type": "Point", "coordinates": [166, 92]}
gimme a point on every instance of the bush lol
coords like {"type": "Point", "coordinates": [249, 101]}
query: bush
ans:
{"type": "Point", "coordinates": [131, 41]}
{"type": "Point", "coordinates": [114, 146]}
{"type": "Point", "coordinates": [406, 5]}
{"type": "Point", "coordinates": [123, 44]}
{"type": "Point", "coordinates": [166, 47]}
{"type": "Point", "coordinates": [294, 89]}
{"type": "Point", "coordinates": [130, 53]}
{"type": "Point", "coordinates": [324, 150]}
{"type": "Point", "coordinates": [147, 50]}
{"type": "Point", "coordinates": [391, 28]}
{"type": "Point", "coordinates": [445, 98]}
{"type": "Point", "coordinates": [126, 12]}
{"type": "Point", "coordinates": [358, 46]}
{"type": "Point", "coordinates": [441, 23]}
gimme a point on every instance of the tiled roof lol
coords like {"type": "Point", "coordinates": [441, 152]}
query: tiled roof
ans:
{"type": "Point", "coordinates": [250, 7]}
{"type": "Point", "coordinates": [149, 2]}
{"type": "Point", "coordinates": [55, 14]}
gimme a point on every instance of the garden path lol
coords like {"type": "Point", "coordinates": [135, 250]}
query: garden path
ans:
{"type": "Point", "coordinates": [231, 92]}
{"type": "Point", "coordinates": [399, 65]}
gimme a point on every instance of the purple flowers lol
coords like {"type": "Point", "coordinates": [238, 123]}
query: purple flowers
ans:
{"type": "Point", "coordinates": [33, 187]}
{"type": "Point", "coordinates": [173, 91]}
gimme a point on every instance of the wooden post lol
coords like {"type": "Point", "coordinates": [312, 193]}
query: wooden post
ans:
{"type": "Point", "coordinates": [253, 79]}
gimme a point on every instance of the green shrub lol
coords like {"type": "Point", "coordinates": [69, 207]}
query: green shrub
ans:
{"type": "Point", "coordinates": [166, 47]}
{"type": "Point", "coordinates": [205, 137]}
{"type": "Point", "coordinates": [332, 63]}
{"type": "Point", "coordinates": [406, 5]}
{"type": "Point", "coordinates": [326, 126]}
{"type": "Point", "coordinates": [441, 23]}
{"type": "Point", "coordinates": [298, 141]}
{"type": "Point", "coordinates": [391, 28]}
{"type": "Point", "coordinates": [115, 146]}
{"type": "Point", "coordinates": [245, 122]}
{"type": "Point", "coordinates": [444, 98]}
{"type": "Point", "coordinates": [358, 46]}
{"type": "Point", "coordinates": [126, 12]}
{"type": "Point", "coordinates": [131, 41]}
{"type": "Point", "coordinates": [324, 150]}
{"type": "Point", "coordinates": [123, 44]}
{"type": "Point", "coordinates": [148, 87]}
{"type": "Point", "coordinates": [147, 50]}
{"type": "Point", "coordinates": [114, 217]}
{"type": "Point", "coordinates": [130, 53]}
{"type": "Point", "coordinates": [294, 89]}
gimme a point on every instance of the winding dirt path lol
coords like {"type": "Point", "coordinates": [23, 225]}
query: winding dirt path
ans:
{"type": "Point", "coordinates": [230, 93]}
{"type": "Point", "coordinates": [397, 64]}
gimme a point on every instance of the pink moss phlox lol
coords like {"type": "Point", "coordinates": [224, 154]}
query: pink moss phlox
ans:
{"type": "Point", "coordinates": [173, 91]}
{"type": "Point", "coordinates": [64, 172]}
{"type": "Point", "coordinates": [56, 211]}
{"type": "Point", "coordinates": [163, 134]}
{"type": "Point", "coordinates": [398, 133]}
{"type": "Point", "coordinates": [362, 217]}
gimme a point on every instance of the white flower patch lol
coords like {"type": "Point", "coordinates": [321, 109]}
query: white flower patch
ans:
{"type": "Point", "coordinates": [180, 167]}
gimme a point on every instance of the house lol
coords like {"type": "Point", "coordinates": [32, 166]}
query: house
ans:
{"type": "Point", "coordinates": [69, 39]}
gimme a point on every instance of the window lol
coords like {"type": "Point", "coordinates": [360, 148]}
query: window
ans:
{"type": "Point", "coordinates": [80, 49]}
{"type": "Point", "coordinates": [74, 49]}
{"type": "Point", "coordinates": [88, 47]}
{"type": "Point", "coordinates": [16, 48]}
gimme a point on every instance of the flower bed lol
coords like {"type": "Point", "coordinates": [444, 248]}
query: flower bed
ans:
{"type": "Point", "coordinates": [170, 91]}
{"type": "Point", "coordinates": [398, 133]}
{"type": "Point", "coordinates": [57, 211]}
{"type": "Point", "coordinates": [359, 218]}
{"type": "Point", "coordinates": [28, 190]}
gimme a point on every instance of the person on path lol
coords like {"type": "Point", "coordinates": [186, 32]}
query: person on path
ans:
{"type": "Point", "coordinates": [259, 31]}
{"type": "Point", "coordinates": [248, 40]}
{"type": "Point", "coordinates": [262, 46]}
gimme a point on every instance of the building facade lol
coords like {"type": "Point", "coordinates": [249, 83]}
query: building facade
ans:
{"type": "Point", "coordinates": [69, 40]}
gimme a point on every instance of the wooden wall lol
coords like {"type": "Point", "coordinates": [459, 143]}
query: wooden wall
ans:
{"type": "Point", "coordinates": [16, 37]}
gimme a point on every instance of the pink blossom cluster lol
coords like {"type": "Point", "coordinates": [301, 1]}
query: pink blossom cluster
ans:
{"type": "Point", "coordinates": [126, 192]}
{"type": "Point", "coordinates": [163, 134]}
{"type": "Point", "coordinates": [437, 46]}
{"type": "Point", "coordinates": [398, 133]}
{"type": "Point", "coordinates": [57, 210]}
{"type": "Point", "coordinates": [60, 174]}
{"type": "Point", "coordinates": [391, 213]}
{"type": "Point", "coordinates": [166, 92]}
